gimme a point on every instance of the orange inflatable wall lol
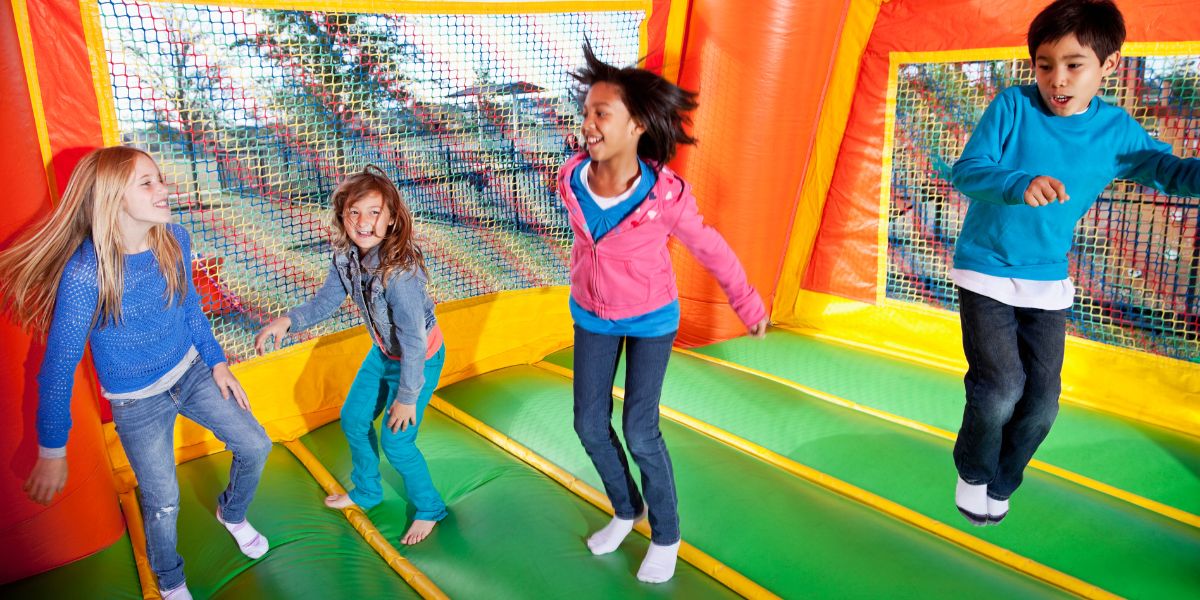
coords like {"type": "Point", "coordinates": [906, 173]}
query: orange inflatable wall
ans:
{"type": "Point", "coordinates": [761, 69]}
{"type": "Point", "coordinates": [86, 516]}
{"type": "Point", "coordinates": [844, 258]}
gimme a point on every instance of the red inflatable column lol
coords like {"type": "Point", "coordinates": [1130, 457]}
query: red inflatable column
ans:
{"type": "Point", "coordinates": [86, 517]}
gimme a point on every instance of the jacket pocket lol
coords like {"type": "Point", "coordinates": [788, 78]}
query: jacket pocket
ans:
{"type": "Point", "coordinates": [622, 283]}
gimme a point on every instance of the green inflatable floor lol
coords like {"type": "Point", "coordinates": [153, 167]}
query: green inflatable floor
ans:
{"type": "Point", "coordinates": [1149, 461]}
{"type": "Point", "coordinates": [791, 537]}
{"type": "Point", "coordinates": [111, 570]}
{"type": "Point", "coordinates": [512, 532]}
{"type": "Point", "coordinates": [515, 533]}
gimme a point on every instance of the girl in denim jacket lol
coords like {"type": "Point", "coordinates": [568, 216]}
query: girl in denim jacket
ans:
{"type": "Point", "coordinates": [107, 268]}
{"type": "Point", "coordinates": [623, 204]}
{"type": "Point", "coordinates": [377, 262]}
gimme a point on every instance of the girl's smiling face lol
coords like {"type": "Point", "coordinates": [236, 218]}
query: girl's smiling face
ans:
{"type": "Point", "coordinates": [145, 199]}
{"type": "Point", "coordinates": [367, 221]}
{"type": "Point", "coordinates": [608, 129]}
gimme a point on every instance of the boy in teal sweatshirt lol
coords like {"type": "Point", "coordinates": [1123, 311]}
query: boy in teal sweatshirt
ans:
{"type": "Point", "coordinates": [1034, 165]}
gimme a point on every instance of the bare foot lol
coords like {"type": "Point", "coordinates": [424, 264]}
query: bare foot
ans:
{"type": "Point", "coordinates": [338, 501]}
{"type": "Point", "coordinates": [419, 531]}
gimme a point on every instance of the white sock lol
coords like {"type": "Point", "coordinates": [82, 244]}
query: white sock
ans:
{"type": "Point", "coordinates": [610, 537]}
{"type": "Point", "coordinates": [659, 564]}
{"type": "Point", "coordinates": [972, 501]}
{"type": "Point", "coordinates": [996, 510]}
{"type": "Point", "coordinates": [179, 592]}
{"type": "Point", "coordinates": [249, 540]}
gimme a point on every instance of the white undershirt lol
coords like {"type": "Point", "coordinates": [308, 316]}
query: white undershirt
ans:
{"type": "Point", "coordinates": [1025, 293]}
{"type": "Point", "coordinates": [161, 385]}
{"type": "Point", "coordinates": [607, 202]}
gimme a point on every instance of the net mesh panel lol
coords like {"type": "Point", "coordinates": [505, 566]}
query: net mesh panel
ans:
{"type": "Point", "coordinates": [1136, 258]}
{"type": "Point", "coordinates": [254, 115]}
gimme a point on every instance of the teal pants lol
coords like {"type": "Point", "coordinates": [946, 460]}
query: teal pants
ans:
{"type": "Point", "coordinates": [371, 394]}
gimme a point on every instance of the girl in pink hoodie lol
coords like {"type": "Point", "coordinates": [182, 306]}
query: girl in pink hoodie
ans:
{"type": "Point", "coordinates": [624, 204]}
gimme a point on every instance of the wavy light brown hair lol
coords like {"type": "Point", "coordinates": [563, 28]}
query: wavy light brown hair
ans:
{"type": "Point", "coordinates": [30, 270]}
{"type": "Point", "coordinates": [399, 249]}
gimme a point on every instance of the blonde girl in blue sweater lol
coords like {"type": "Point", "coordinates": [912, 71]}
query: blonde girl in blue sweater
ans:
{"type": "Point", "coordinates": [107, 268]}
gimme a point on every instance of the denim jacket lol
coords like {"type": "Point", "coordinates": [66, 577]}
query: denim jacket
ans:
{"type": "Point", "coordinates": [398, 315]}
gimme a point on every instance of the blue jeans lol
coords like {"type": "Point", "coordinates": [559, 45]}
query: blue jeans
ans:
{"type": "Point", "coordinates": [1014, 359]}
{"type": "Point", "coordinates": [372, 393]}
{"type": "Point", "coordinates": [596, 358]}
{"type": "Point", "coordinates": [146, 428]}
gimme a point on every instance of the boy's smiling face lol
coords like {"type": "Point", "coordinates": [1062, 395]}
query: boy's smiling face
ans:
{"type": "Point", "coordinates": [1069, 74]}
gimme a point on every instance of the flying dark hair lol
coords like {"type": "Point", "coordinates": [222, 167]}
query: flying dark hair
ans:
{"type": "Point", "coordinates": [656, 104]}
{"type": "Point", "coordinates": [1097, 24]}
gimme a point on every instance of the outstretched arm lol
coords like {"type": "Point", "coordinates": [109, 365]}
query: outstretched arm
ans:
{"type": "Point", "coordinates": [322, 305]}
{"type": "Point", "coordinates": [712, 251]}
{"type": "Point", "coordinates": [1150, 162]}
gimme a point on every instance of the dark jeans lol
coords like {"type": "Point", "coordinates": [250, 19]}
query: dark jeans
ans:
{"type": "Point", "coordinates": [1014, 358]}
{"type": "Point", "coordinates": [596, 358]}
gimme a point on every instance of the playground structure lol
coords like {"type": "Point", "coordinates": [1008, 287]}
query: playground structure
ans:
{"type": "Point", "coordinates": [827, 130]}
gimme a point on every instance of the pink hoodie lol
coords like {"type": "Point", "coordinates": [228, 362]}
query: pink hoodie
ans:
{"type": "Point", "coordinates": [631, 274]}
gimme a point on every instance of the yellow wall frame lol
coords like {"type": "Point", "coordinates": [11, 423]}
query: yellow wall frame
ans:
{"type": "Point", "coordinates": [1136, 385]}
{"type": "Point", "coordinates": [818, 173]}
{"type": "Point", "coordinates": [94, 35]}
{"type": "Point", "coordinates": [300, 388]}
{"type": "Point", "coordinates": [25, 39]}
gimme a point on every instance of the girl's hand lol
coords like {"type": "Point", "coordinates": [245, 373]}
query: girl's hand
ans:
{"type": "Point", "coordinates": [400, 416]}
{"type": "Point", "coordinates": [48, 478]}
{"type": "Point", "coordinates": [759, 329]}
{"type": "Point", "coordinates": [228, 384]}
{"type": "Point", "coordinates": [275, 330]}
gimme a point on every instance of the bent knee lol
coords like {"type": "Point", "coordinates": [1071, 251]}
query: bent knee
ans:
{"type": "Point", "coordinates": [592, 433]}
{"type": "Point", "coordinates": [644, 444]}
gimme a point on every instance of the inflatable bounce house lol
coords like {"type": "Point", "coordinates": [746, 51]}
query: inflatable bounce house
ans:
{"type": "Point", "coordinates": [813, 463]}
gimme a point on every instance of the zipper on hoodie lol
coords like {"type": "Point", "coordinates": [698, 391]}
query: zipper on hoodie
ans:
{"type": "Point", "coordinates": [595, 261]}
{"type": "Point", "coordinates": [595, 287]}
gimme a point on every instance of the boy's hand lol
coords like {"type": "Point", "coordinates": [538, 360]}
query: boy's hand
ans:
{"type": "Point", "coordinates": [401, 416]}
{"type": "Point", "coordinates": [48, 478]}
{"type": "Point", "coordinates": [228, 384]}
{"type": "Point", "coordinates": [275, 330]}
{"type": "Point", "coordinates": [1045, 189]}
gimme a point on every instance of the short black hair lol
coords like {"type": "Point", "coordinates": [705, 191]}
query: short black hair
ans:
{"type": "Point", "coordinates": [658, 105]}
{"type": "Point", "coordinates": [1097, 24]}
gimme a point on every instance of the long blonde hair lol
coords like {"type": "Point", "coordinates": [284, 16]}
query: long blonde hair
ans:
{"type": "Point", "coordinates": [31, 268]}
{"type": "Point", "coordinates": [399, 249]}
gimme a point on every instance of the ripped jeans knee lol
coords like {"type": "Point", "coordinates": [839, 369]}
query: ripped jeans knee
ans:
{"type": "Point", "coordinates": [161, 512]}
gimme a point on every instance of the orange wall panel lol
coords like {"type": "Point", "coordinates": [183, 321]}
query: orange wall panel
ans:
{"type": "Point", "coordinates": [760, 69]}
{"type": "Point", "coordinates": [845, 257]}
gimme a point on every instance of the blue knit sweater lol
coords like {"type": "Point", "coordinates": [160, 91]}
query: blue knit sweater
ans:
{"type": "Point", "coordinates": [153, 336]}
{"type": "Point", "coordinates": [1018, 139]}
